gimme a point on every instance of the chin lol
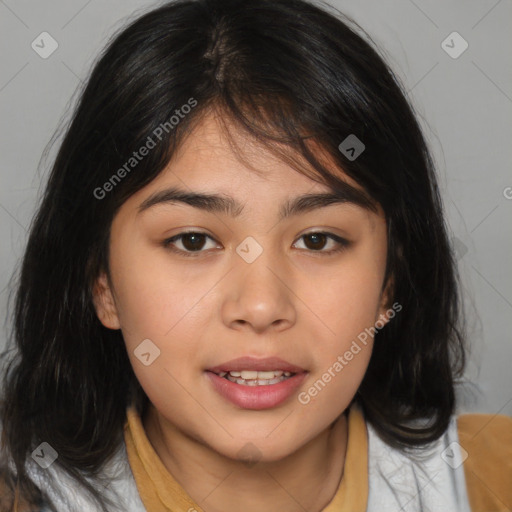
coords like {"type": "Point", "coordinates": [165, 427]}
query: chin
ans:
{"type": "Point", "coordinates": [258, 450]}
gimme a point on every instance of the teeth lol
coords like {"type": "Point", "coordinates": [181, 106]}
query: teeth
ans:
{"type": "Point", "coordinates": [265, 375]}
{"type": "Point", "coordinates": [249, 375]}
{"type": "Point", "coordinates": [271, 381]}
{"type": "Point", "coordinates": [255, 378]}
{"type": "Point", "coordinates": [252, 374]}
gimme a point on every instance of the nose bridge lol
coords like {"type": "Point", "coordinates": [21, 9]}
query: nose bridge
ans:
{"type": "Point", "coordinates": [259, 296]}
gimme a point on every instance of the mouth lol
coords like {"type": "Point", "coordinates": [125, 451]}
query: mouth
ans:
{"type": "Point", "coordinates": [250, 371]}
{"type": "Point", "coordinates": [252, 383]}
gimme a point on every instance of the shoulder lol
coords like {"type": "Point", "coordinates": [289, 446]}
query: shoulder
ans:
{"type": "Point", "coordinates": [486, 446]}
{"type": "Point", "coordinates": [9, 495]}
{"type": "Point", "coordinates": [53, 488]}
{"type": "Point", "coordinates": [415, 478]}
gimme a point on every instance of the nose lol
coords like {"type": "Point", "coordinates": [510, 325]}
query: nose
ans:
{"type": "Point", "coordinates": [259, 296]}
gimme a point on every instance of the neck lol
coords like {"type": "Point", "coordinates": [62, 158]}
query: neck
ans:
{"type": "Point", "coordinates": [307, 479]}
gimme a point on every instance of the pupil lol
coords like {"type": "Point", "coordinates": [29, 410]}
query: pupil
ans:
{"type": "Point", "coordinates": [318, 240]}
{"type": "Point", "coordinates": [194, 238]}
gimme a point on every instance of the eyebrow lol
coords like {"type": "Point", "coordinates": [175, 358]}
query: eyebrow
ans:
{"type": "Point", "coordinates": [217, 203]}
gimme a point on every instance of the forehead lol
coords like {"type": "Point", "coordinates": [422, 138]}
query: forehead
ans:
{"type": "Point", "coordinates": [221, 149]}
{"type": "Point", "coordinates": [218, 152]}
{"type": "Point", "coordinates": [219, 169]}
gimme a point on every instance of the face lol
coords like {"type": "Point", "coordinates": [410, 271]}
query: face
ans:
{"type": "Point", "coordinates": [245, 291]}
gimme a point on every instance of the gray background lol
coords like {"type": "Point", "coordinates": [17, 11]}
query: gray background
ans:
{"type": "Point", "coordinates": [464, 106]}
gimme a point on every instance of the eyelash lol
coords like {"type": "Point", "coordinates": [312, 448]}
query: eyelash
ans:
{"type": "Point", "coordinates": [168, 243]}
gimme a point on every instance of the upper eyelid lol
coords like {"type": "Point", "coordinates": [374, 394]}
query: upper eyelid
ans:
{"type": "Point", "coordinates": [194, 232]}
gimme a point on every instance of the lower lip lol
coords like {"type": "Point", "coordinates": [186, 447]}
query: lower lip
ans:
{"type": "Point", "coordinates": [256, 397]}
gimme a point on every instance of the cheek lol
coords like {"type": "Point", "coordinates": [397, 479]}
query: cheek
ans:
{"type": "Point", "coordinates": [153, 297]}
{"type": "Point", "coordinates": [165, 305]}
{"type": "Point", "coordinates": [347, 302]}
{"type": "Point", "coordinates": [344, 346]}
{"type": "Point", "coordinates": [163, 308]}
{"type": "Point", "coordinates": [330, 390]}
{"type": "Point", "coordinates": [347, 306]}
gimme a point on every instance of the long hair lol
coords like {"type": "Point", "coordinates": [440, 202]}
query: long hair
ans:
{"type": "Point", "coordinates": [288, 72]}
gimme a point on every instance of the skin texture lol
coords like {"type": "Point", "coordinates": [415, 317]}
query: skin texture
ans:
{"type": "Point", "coordinates": [294, 301]}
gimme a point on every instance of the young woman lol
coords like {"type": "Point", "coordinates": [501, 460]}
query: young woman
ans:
{"type": "Point", "coordinates": [238, 292]}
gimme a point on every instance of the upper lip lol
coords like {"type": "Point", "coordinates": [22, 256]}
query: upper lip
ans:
{"type": "Point", "coordinates": [255, 364]}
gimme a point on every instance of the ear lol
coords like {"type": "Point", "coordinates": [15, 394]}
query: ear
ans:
{"type": "Point", "coordinates": [386, 300]}
{"type": "Point", "coordinates": [104, 303]}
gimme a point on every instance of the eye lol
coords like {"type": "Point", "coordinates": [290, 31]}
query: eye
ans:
{"type": "Point", "coordinates": [195, 241]}
{"type": "Point", "coordinates": [316, 241]}
{"type": "Point", "coordinates": [191, 242]}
